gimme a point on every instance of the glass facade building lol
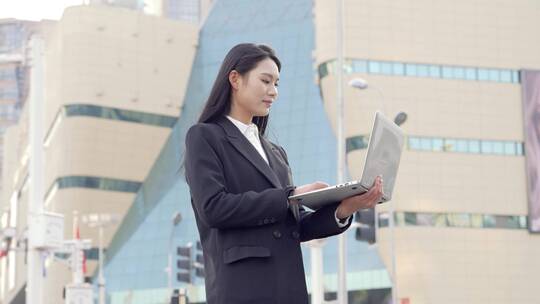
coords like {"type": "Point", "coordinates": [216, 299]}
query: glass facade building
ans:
{"type": "Point", "coordinates": [185, 10]}
{"type": "Point", "coordinates": [13, 72]}
{"type": "Point", "coordinates": [137, 255]}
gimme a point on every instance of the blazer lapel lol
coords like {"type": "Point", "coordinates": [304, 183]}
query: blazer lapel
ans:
{"type": "Point", "coordinates": [240, 142]}
{"type": "Point", "coordinates": [279, 166]}
{"type": "Point", "coordinates": [281, 169]}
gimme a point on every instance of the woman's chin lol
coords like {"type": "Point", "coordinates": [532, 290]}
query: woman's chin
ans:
{"type": "Point", "coordinates": [263, 112]}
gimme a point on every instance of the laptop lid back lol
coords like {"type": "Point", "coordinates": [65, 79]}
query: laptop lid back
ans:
{"type": "Point", "coordinates": [383, 155]}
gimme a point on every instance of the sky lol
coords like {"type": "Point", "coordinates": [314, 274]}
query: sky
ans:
{"type": "Point", "coordinates": [35, 9]}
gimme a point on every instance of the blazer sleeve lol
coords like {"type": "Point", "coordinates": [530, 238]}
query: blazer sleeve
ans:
{"type": "Point", "coordinates": [320, 223]}
{"type": "Point", "coordinates": [216, 207]}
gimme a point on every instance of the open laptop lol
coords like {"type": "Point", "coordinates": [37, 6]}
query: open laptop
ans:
{"type": "Point", "coordinates": [382, 158]}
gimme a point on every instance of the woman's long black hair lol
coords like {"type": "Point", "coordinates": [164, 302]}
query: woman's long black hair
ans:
{"type": "Point", "coordinates": [241, 58]}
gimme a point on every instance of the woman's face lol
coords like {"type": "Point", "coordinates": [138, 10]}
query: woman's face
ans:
{"type": "Point", "coordinates": [255, 91]}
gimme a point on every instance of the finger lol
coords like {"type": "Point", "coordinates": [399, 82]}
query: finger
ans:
{"type": "Point", "coordinates": [370, 196]}
{"type": "Point", "coordinates": [369, 193]}
{"type": "Point", "coordinates": [377, 183]}
{"type": "Point", "coordinates": [320, 185]}
{"type": "Point", "coordinates": [379, 192]}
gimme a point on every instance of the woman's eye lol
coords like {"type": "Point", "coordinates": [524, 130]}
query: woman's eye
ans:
{"type": "Point", "coordinates": [266, 81]}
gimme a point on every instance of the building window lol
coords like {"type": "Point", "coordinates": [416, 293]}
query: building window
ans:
{"type": "Point", "coordinates": [439, 144]}
{"type": "Point", "coordinates": [323, 70]}
{"type": "Point", "coordinates": [119, 114]}
{"type": "Point", "coordinates": [399, 68]}
{"type": "Point", "coordinates": [108, 113]}
{"type": "Point", "coordinates": [359, 66]}
{"type": "Point", "coordinates": [387, 68]}
{"type": "Point", "coordinates": [422, 70]}
{"type": "Point", "coordinates": [474, 146]}
{"type": "Point", "coordinates": [92, 182]}
{"type": "Point", "coordinates": [506, 76]}
{"type": "Point", "coordinates": [410, 69]}
{"type": "Point", "coordinates": [434, 71]}
{"type": "Point", "coordinates": [455, 220]}
{"type": "Point", "coordinates": [374, 67]}
{"type": "Point", "coordinates": [458, 220]}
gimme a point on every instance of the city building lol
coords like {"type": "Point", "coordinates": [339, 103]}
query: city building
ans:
{"type": "Point", "coordinates": [138, 253]}
{"type": "Point", "coordinates": [13, 72]}
{"type": "Point", "coordinates": [194, 11]}
{"type": "Point", "coordinates": [461, 195]}
{"type": "Point", "coordinates": [125, 88]}
{"type": "Point", "coordinates": [112, 90]}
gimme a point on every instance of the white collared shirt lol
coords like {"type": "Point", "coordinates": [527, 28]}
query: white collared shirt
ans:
{"type": "Point", "coordinates": [251, 132]}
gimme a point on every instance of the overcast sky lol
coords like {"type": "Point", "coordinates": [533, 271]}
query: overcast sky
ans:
{"type": "Point", "coordinates": [35, 9]}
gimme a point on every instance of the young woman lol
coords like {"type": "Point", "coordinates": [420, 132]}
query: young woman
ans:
{"type": "Point", "coordinates": [240, 183]}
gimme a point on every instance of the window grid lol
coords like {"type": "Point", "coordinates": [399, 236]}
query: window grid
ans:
{"type": "Point", "coordinates": [93, 182]}
{"type": "Point", "coordinates": [457, 220]}
{"type": "Point", "coordinates": [474, 146]}
{"type": "Point", "coordinates": [439, 144]}
{"type": "Point", "coordinates": [120, 114]}
{"type": "Point", "coordinates": [421, 70]}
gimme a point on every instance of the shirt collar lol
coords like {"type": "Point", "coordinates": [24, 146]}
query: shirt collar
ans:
{"type": "Point", "coordinates": [245, 129]}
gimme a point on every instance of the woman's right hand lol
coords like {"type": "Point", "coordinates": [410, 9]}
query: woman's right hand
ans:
{"type": "Point", "coordinates": [365, 200]}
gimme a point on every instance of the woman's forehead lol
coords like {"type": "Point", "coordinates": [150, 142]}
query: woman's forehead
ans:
{"type": "Point", "coordinates": [267, 67]}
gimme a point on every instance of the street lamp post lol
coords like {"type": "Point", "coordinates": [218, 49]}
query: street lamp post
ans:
{"type": "Point", "coordinates": [100, 221]}
{"type": "Point", "coordinates": [317, 273]}
{"type": "Point", "coordinates": [400, 118]}
{"type": "Point", "coordinates": [342, 245]}
{"type": "Point", "coordinates": [35, 280]}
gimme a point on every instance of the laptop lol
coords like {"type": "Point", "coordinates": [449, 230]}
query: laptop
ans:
{"type": "Point", "coordinates": [382, 158]}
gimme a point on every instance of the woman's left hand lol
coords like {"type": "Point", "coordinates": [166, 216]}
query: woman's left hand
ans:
{"type": "Point", "coordinates": [365, 200]}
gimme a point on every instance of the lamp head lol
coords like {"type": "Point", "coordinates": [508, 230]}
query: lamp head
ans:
{"type": "Point", "coordinates": [400, 118]}
{"type": "Point", "coordinates": [358, 83]}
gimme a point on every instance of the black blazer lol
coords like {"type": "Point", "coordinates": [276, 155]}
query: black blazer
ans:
{"type": "Point", "coordinates": [250, 238]}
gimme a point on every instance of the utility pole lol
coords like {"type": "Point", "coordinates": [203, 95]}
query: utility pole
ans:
{"type": "Point", "coordinates": [340, 122]}
{"type": "Point", "coordinates": [34, 284]}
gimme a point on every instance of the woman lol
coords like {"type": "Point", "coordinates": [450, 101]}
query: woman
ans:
{"type": "Point", "coordinates": [240, 183]}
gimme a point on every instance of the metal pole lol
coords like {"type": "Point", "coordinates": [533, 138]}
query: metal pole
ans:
{"type": "Point", "coordinates": [169, 262]}
{"type": "Point", "coordinates": [34, 284]}
{"type": "Point", "coordinates": [101, 277]}
{"type": "Point", "coordinates": [393, 253]}
{"type": "Point", "coordinates": [342, 249]}
{"type": "Point", "coordinates": [317, 273]}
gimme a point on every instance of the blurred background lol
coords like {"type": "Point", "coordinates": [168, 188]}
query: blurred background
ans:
{"type": "Point", "coordinates": [96, 97]}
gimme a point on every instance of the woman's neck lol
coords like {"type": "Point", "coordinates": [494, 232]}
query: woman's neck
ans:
{"type": "Point", "coordinates": [240, 114]}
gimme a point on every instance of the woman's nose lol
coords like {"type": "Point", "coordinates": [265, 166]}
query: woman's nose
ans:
{"type": "Point", "coordinates": [272, 91]}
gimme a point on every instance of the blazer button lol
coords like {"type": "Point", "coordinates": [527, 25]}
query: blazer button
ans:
{"type": "Point", "coordinates": [277, 234]}
{"type": "Point", "coordinates": [295, 234]}
{"type": "Point", "coordinates": [266, 221]}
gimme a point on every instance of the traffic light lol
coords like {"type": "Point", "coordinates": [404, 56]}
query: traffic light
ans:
{"type": "Point", "coordinates": [365, 231]}
{"type": "Point", "coordinates": [199, 261]}
{"type": "Point", "coordinates": [184, 263]}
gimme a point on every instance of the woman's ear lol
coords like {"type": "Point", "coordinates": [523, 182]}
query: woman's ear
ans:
{"type": "Point", "coordinates": [234, 79]}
